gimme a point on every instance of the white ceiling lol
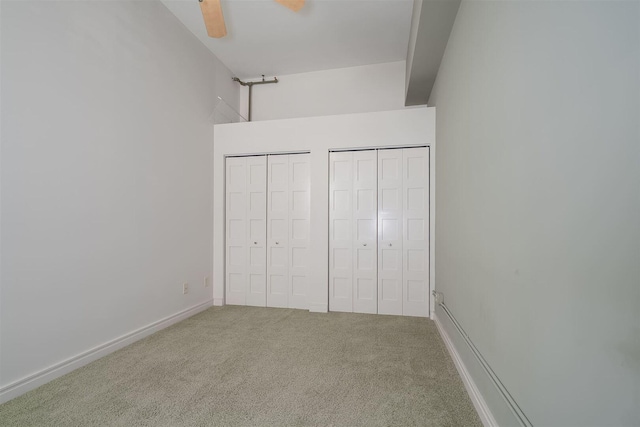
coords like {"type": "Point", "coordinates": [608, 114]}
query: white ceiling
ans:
{"type": "Point", "coordinates": [263, 37]}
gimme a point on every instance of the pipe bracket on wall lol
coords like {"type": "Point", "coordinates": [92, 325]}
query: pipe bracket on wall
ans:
{"type": "Point", "coordinates": [250, 84]}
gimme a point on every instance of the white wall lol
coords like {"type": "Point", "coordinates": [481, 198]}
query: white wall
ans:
{"type": "Point", "coordinates": [106, 176]}
{"type": "Point", "coordinates": [377, 87]}
{"type": "Point", "coordinates": [538, 206]}
{"type": "Point", "coordinates": [413, 38]}
{"type": "Point", "coordinates": [318, 135]}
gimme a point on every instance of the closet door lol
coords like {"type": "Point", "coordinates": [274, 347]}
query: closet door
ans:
{"type": "Point", "coordinates": [246, 230]}
{"type": "Point", "coordinates": [298, 226]}
{"type": "Point", "coordinates": [341, 231]}
{"type": "Point", "coordinates": [236, 230]}
{"type": "Point", "coordinates": [415, 280]}
{"type": "Point", "coordinates": [390, 231]}
{"type": "Point", "coordinates": [277, 231]}
{"type": "Point", "coordinates": [257, 230]}
{"type": "Point", "coordinates": [364, 225]}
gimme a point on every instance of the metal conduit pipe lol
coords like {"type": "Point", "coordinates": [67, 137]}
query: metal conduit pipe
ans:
{"type": "Point", "coordinates": [250, 84]}
{"type": "Point", "coordinates": [510, 401]}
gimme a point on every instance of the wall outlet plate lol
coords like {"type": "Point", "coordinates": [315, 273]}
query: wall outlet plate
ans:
{"type": "Point", "coordinates": [185, 288]}
{"type": "Point", "coordinates": [206, 281]}
{"type": "Point", "coordinates": [439, 297]}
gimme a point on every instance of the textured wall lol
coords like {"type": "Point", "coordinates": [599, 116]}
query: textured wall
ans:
{"type": "Point", "coordinates": [106, 174]}
{"type": "Point", "coordinates": [538, 201]}
{"type": "Point", "coordinates": [364, 89]}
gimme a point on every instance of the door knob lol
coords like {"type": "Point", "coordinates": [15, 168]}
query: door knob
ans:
{"type": "Point", "coordinates": [277, 243]}
{"type": "Point", "coordinates": [389, 244]}
{"type": "Point", "coordinates": [255, 243]}
{"type": "Point", "coordinates": [364, 244]}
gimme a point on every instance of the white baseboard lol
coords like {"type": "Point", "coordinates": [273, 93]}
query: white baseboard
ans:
{"type": "Point", "coordinates": [37, 379]}
{"type": "Point", "coordinates": [474, 394]}
{"type": "Point", "coordinates": [218, 302]}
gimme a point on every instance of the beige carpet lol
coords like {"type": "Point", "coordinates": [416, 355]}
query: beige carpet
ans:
{"type": "Point", "coordinates": [244, 366]}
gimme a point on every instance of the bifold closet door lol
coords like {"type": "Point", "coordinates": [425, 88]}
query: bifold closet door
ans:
{"type": "Point", "coordinates": [341, 231]}
{"type": "Point", "coordinates": [277, 235]}
{"type": "Point", "coordinates": [415, 245]}
{"type": "Point", "coordinates": [299, 228]}
{"type": "Point", "coordinates": [379, 231]}
{"type": "Point", "coordinates": [246, 230]}
{"type": "Point", "coordinates": [257, 216]}
{"type": "Point", "coordinates": [288, 230]}
{"type": "Point", "coordinates": [365, 212]}
{"type": "Point", "coordinates": [390, 231]}
{"type": "Point", "coordinates": [403, 233]}
{"type": "Point", "coordinates": [353, 232]}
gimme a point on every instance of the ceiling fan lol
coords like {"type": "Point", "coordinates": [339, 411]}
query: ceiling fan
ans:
{"type": "Point", "coordinates": [214, 21]}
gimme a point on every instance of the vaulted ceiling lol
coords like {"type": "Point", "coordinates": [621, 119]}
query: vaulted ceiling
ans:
{"type": "Point", "coordinates": [266, 38]}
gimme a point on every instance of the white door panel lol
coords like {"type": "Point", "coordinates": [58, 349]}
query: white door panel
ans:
{"type": "Point", "coordinates": [246, 230]}
{"type": "Point", "coordinates": [341, 231]}
{"type": "Point", "coordinates": [298, 230]}
{"type": "Point", "coordinates": [415, 283]}
{"type": "Point", "coordinates": [236, 230]}
{"type": "Point", "coordinates": [257, 227]}
{"type": "Point", "coordinates": [390, 231]}
{"type": "Point", "coordinates": [364, 231]}
{"type": "Point", "coordinates": [277, 231]}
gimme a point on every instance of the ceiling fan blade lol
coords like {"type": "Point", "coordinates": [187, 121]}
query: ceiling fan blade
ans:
{"type": "Point", "coordinates": [213, 19]}
{"type": "Point", "coordinates": [294, 5]}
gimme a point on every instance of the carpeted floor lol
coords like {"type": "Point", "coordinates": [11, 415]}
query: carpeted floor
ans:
{"type": "Point", "coordinates": [245, 366]}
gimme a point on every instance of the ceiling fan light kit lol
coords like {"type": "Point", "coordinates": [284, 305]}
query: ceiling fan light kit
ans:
{"type": "Point", "coordinates": [214, 20]}
{"type": "Point", "coordinates": [294, 5]}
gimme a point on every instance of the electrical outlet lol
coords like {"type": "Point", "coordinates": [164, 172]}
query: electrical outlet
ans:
{"type": "Point", "coordinates": [185, 288]}
{"type": "Point", "coordinates": [206, 281]}
{"type": "Point", "coordinates": [439, 297]}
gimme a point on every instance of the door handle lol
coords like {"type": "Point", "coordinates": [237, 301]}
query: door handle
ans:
{"type": "Point", "coordinates": [277, 243]}
{"type": "Point", "coordinates": [389, 244]}
{"type": "Point", "coordinates": [364, 244]}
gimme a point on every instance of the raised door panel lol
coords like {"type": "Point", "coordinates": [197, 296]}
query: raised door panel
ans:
{"type": "Point", "coordinates": [390, 231]}
{"type": "Point", "coordinates": [341, 231]}
{"type": "Point", "coordinates": [416, 236]}
{"type": "Point", "coordinates": [365, 231]}
{"type": "Point", "coordinates": [236, 230]}
{"type": "Point", "coordinates": [256, 230]}
{"type": "Point", "coordinates": [298, 227]}
{"type": "Point", "coordinates": [277, 231]}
